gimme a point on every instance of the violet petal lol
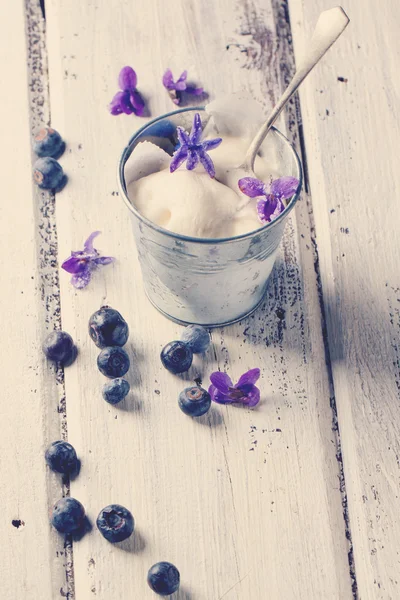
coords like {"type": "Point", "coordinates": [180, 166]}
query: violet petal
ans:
{"type": "Point", "coordinates": [193, 160]}
{"type": "Point", "coordinates": [103, 260]}
{"type": "Point", "coordinates": [115, 104]}
{"type": "Point", "coordinates": [251, 187]}
{"type": "Point", "coordinates": [125, 103]}
{"type": "Point", "coordinates": [211, 144]}
{"type": "Point", "coordinates": [137, 103]}
{"type": "Point", "coordinates": [88, 245]}
{"type": "Point", "coordinates": [178, 158]}
{"type": "Point", "coordinates": [127, 79]}
{"type": "Point", "coordinates": [280, 207]}
{"type": "Point", "coordinates": [284, 187]}
{"type": "Point", "coordinates": [253, 396]}
{"type": "Point", "coordinates": [192, 147]}
{"type": "Point", "coordinates": [196, 132]}
{"type": "Point", "coordinates": [181, 82]}
{"type": "Point", "coordinates": [74, 265]}
{"type": "Point", "coordinates": [221, 381]}
{"type": "Point", "coordinates": [182, 136]}
{"type": "Point", "coordinates": [115, 110]}
{"type": "Point", "coordinates": [250, 377]}
{"type": "Point", "coordinates": [168, 80]}
{"type": "Point", "coordinates": [262, 207]}
{"type": "Point", "coordinates": [207, 163]}
{"type": "Point", "coordinates": [269, 208]}
{"type": "Point", "coordinates": [80, 280]}
{"type": "Point", "coordinates": [218, 396]}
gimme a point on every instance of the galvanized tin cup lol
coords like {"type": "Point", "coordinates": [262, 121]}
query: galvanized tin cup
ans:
{"type": "Point", "coordinates": [211, 282]}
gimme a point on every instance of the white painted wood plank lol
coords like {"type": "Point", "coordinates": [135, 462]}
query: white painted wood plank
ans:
{"type": "Point", "coordinates": [352, 133]}
{"type": "Point", "coordinates": [247, 504]}
{"type": "Point", "coordinates": [33, 559]}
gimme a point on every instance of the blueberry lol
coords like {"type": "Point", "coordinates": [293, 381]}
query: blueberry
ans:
{"type": "Point", "coordinates": [48, 142]}
{"type": "Point", "coordinates": [176, 357]}
{"type": "Point", "coordinates": [116, 390]}
{"type": "Point", "coordinates": [61, 457]}
{"type": "Point", "coordinates": [48, 174]}
{"type": "Point", "coordinates": [59, 347]}
{"type": "Point", "coordinates": [68, 515]}
{"type": "Point", "coordinates": [108, 328]}
{"type": "Point", "coordinates": [115, 523]}
{"type": "Point", "coordinates": [194, 401]}
{"type": "Point", "coordinates": [113, 362]}
{"type": "Point", "coordinates": [197, 337]}
{"type": "Point", "coordinates": [163, 578]}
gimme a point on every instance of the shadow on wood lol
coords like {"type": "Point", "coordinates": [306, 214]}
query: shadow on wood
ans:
{"type": "Point", "coordinates": [183, 594]}
{"type": "Point", "coordinates": [86, 528]}
{"type": "Point", "coordinates": [213, 418]}
{"type": "Point", "coordinates": [136, 543]}
{"type": "Point", "coordinates": [130, 403]}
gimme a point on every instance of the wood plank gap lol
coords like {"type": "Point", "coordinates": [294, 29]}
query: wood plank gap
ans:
{"type": "Point", "coordinates": [295, 129]}
{"type": "Point", "coordinates": [45, 225]}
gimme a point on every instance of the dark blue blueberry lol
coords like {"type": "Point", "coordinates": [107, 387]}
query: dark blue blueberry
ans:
{"type": "Point", "coordinates": [163, 578]}
{"type": "Point", "coordinates": [48, 142]}
{"type": "Point", "coordinates": [115, 523]}
{"type": "Point", "coordinates": [48, 174]}
{"type": "Point", "coordinates": [197, 337]}
{"type": "Point", "coordinates": [194, 401]}
{"type": "Point", "coordinates": [115, 390]}
{"type": "Point", "coordinates": [176, 357]}
{"type": "Point", "coordinates": [108, 328]}
{"type": "Point", "coordinates": [113, 362]}
{"type": "Point", "coordinates": [59, 347]}
{"type": "Point", "coordinates": [61, 457]}
{"type": "Point", "coordinates": [68, 515]}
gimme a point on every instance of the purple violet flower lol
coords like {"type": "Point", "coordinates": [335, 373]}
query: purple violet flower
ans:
{"type": "Point", "coordinates": [129, 100]}
{"type": "Point", "coordinates": [175, 88]}
{"type": "Point", "coordinates": [83, 262]}
{"type": "Point", "coordinates": [244, 391]}
{"type": "Point", "coordinates": [192, 150]}
{"type": "Point", "coordinates": [270, 205]}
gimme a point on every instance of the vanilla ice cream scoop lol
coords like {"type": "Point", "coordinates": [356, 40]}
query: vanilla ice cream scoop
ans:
{"type": "Point", "coordinates": [190, 202]}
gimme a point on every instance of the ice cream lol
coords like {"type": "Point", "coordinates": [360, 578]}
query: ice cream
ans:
{"type": "Point", "coordinates": [203, 280]}
{"type": "Point", "coordinates": [190, 202]}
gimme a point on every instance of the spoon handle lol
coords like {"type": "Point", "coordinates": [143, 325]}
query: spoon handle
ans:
{"type": "Point", "coordinates": [329, 27]}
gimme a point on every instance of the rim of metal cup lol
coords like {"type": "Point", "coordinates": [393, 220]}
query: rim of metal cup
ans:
{"type": "Point", "coordinates": [185, 238]}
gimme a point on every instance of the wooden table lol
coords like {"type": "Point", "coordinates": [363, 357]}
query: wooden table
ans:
{"type": "Point", "coordinates": [297, 499]}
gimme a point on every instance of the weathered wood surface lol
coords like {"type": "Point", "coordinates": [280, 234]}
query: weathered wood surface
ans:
{"type": "Point", "coordinates": [350, 109]}
{"type": "Point", "coordinates": [35, 561]}
{"type": "Point", "coordinates": [246, 503]}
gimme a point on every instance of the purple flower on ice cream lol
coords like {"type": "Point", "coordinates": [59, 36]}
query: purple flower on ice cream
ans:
{"type": "Point", "coordinates": [244, 391]}
{"type": "Point", "coordinates": [192, 150]}
{"type": "Point", "coordinates": [82, 263]}
{"type": "Point", "coordinates": [271, 195]}
{"type": "Point", "coordinates": [128, 100]}
{"type": "Point", "coordinates": [175, 88]}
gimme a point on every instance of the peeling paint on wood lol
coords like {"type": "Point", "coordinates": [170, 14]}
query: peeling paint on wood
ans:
{"type": "Point", "coordinates": [351, 166]}
{"type": "Point", "coordinates": [228, 487]}
{"type": "Point", "coordinates": [29, 307]}
{"type": "Point", "coordinates": [308, 478]}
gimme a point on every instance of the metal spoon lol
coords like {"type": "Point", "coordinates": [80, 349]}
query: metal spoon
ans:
{"type": "Point", "coordinates": [329, 27]}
